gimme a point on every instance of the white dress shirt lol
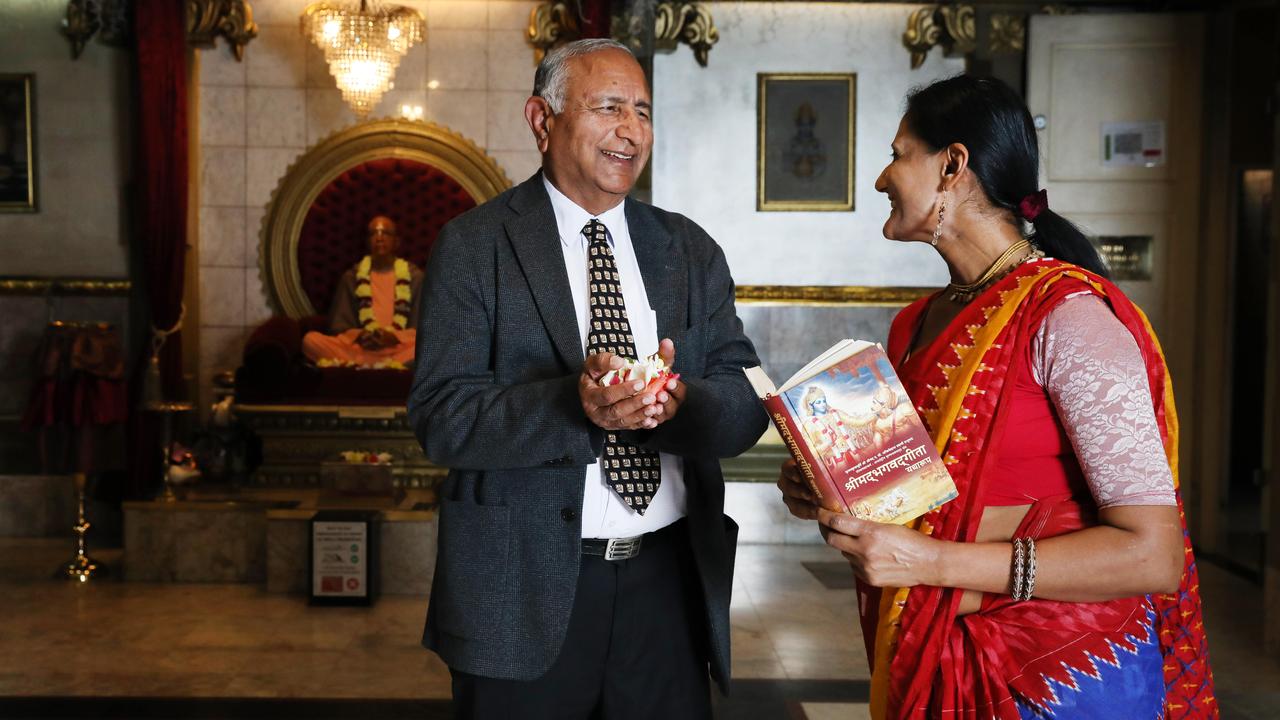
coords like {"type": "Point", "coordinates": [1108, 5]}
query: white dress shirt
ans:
{"type": "Point", "coordinates": [604, 514]}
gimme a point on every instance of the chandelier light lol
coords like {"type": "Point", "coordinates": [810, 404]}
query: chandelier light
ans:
{"type": "Point", "coordinates": [362, 45]}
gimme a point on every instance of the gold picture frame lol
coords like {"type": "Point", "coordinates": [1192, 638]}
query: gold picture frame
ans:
{"type": "Point", "coordinates": [17, 143]}
{"type": "Point", "coordinates": [804, 157]}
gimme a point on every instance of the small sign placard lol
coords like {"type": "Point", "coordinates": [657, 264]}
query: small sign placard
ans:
{"type": "Point", "coordinates": [344, 558]}
{"type": "Point", "coordinates": [1133, 144]}
{"type": "Point", "coordinates": [1127, 256]}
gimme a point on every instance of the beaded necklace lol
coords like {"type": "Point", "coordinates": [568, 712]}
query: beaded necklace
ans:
{"type": "Point", "coordinates": [364, 294]}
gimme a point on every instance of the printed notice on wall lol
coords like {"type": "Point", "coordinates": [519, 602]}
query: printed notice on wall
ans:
{"type": "Point", "coordinates": [1133, 144]}
{"type": "Point", "coordinates": [339, 558]}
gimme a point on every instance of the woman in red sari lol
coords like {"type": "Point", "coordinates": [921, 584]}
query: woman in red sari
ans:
{"type": "Point", "coordinates": [1060, 583]}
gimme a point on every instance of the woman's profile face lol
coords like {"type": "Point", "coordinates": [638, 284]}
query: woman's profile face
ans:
{"type": "Point", "coordinates": [911, 180]}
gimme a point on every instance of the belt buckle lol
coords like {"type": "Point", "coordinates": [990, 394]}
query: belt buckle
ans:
{"type": "Point", "coordinates": [622, 548]}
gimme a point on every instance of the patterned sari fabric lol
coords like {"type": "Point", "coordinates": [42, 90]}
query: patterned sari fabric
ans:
{"type": "Point", "coordinates": [1133, 657]}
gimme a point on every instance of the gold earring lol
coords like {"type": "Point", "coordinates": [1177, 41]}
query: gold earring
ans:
{"type": "Point", "coordinates": [942, 209]}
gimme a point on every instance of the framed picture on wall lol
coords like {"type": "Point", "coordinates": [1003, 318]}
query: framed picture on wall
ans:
{"type": "Point", "coordinates": [805, 136]}
{"type": "Point", "coordinates": [17, 143]}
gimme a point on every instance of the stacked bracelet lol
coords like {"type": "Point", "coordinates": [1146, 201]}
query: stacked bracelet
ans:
{"type": "Point", "coordinates": [1024, 568]}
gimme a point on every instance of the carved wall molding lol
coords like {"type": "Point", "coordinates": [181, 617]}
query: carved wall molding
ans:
{"type": "Point", "coordinates": [820, 295]}
{"type": "Point", "coordinates": [550, 24]}
{"type": "Point", "coordinates": [232, 19]}
{"type": "Point", "coordinates": [555, 22]}
{"type": "Point", "coordinates": [1008, 34]}
{"type": "Point", "coordinates": [690, 23]}
{"type": "Point", "coordinates": [63, 286]}
{"type": "Point", "coordinates": [111, 21]}
{"type": "Point", "coordinates": [953, 27]}
{"type": "Point", "coordinates": [80, 24]}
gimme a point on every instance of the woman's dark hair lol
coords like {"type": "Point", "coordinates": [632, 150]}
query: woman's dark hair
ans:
{"type": "Point", "coordinates": [991, 120]}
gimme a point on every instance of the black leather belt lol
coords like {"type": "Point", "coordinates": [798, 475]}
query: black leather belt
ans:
{"type": "Point", "coordinates": [612, 548]}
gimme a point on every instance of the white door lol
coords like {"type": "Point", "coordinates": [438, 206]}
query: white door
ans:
{"type": "Point", "coordinates": [1117, 98]}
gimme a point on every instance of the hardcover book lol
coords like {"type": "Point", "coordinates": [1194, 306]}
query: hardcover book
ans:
{"type": "Point", "coordinates": [856, 439]}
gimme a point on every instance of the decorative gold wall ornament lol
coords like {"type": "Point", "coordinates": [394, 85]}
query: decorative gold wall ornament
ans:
{"type": "Point", "coordinates": [690, 23]}
{"type": "Point", "coordinates": [63, 286]}
{"type": "Point", "coordinates": [1008, 33]}
{"type": "Point", "coordinates": [550, 24]}
{"type": "Point", "coordinates": [951, 26]}
{"type": "Point", "coordinates": [363, 45]}
{"type": "Point", "coordinates": [80, 23]}
{"type": "Point", "coordinates": [555, 22]}
{"type": "Point", "coordinates": [232, 19]}
{"type": "Point", "coordinates": [821, 295]}
{"type": "Point", "coordinates": [427, 143]}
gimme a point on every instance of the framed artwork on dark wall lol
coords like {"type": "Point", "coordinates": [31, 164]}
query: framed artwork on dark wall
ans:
{"type": "Point", "coordinates": [805, 135]}
{"type": "Point", "coordinates": [17, 143]}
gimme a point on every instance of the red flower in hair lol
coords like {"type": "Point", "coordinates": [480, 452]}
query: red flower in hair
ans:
{"type": "Point", "coordinates": [1033, 204]}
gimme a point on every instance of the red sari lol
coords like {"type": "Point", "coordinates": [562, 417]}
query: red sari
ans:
{"type": "Point", "coordinates": [1016, 660]}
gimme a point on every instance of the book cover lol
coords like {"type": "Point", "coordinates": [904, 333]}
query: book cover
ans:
{"type": "Point", "coordinates": [858, 441]}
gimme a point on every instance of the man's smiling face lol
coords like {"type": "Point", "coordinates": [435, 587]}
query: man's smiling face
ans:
{"type": "Point", "coordinates": [600, 141]}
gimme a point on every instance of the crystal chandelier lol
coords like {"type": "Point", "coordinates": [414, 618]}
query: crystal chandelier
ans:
{"type": "Point", "coordinates": [363, 45]}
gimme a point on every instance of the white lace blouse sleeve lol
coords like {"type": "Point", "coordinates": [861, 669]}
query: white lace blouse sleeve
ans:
{"type": "Point", "coordinates": [1094, 374]}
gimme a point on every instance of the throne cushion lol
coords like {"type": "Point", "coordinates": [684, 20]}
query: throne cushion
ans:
{"type": "Point", "coordinates": [419, 198]}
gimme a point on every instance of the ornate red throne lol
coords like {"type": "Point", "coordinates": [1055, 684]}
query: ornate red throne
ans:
{"type": "Point", "coordinates": [420, 175]}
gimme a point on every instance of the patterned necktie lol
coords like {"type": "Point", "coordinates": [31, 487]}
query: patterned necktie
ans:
{"type": "Point", "coordinates": [633, 472]}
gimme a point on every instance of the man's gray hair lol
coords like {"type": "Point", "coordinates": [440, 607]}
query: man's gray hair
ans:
{"type": "Point", "coordinates": [553, 71]}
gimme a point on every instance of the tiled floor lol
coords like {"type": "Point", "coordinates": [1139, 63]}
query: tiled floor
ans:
{"type": "Point", "coordinates": [797, 648]}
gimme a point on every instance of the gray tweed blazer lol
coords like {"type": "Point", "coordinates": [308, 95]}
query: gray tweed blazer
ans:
{"type": "Point", "coordinates": [495, 400]}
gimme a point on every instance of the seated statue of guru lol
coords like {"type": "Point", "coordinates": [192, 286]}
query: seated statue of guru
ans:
{"type": "Point", "coordinates": [373, 319]}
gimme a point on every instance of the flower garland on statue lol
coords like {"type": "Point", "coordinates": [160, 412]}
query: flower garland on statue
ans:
{"type": "Point", "coordinates": [364, 294]}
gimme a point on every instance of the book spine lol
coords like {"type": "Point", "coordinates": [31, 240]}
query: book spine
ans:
{"type": "Point", "coordinates": [820, 483]}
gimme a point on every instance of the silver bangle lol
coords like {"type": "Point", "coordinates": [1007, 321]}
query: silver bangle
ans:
{"type": "Point", "coordinates": [1019, 568]}
{"type": "Point", "coordinates": [1031, 569]}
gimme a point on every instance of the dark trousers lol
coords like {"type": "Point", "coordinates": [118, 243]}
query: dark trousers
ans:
{"type": "Point", "coordinates": [636, 646]}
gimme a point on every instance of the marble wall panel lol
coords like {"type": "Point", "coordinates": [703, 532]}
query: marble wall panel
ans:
{"type": "Point", "coordinates": [787, 337]}
{"type": "Point", "coordinates": [223, 231]}
{"type": "Point", "coordinates": [463, 111]}
{"type": "Point", "coordinates": [221, 297]}
{"type": "Point", "coordinates": [222, 115]}
{"type": "Point", "coordinates": [264, 168]}
{"type": "Point", "coordinates": [458, 60]}
{"type": "Point", "coordinates": [326, 113]}
{"type": "Point", "coordinates": [288, 547]}
{"type": "Point", "coordinates": [278, 56]}
{"type": "Point", "coordinates": [165, 544]}
{"type": "Point", "coordinates": [505, 15]}
{"type": "Point", "coordinates": [519, 165]}
{"type": "Point", "coordinates": [276, 117]}
{"type": "Point", "coordinates": [511, 64]}
{"type": "Point", "coordinates": [508, 129]}
{"type": "Point", "coordinates": [704, 162]}
{"type": "Point", "coordinates": [217, 66]}
{"type": "Point", "coordinates": [222, 176]}
{"type": "Point", "coordinates": [36, 505]}
{"type": "Point", "coordinates": [456, 15]}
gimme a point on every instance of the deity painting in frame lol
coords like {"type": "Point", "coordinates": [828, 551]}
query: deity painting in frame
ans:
{"type": "Point", "coordinates": [17, 144]}
{"type": "Point", "coordinates": [805, 139]}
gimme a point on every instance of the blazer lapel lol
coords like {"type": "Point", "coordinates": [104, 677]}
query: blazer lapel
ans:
{"type": "Point", "coordinates": [664, 268]}
{"type": "Point", "coordinates": [536, 241]}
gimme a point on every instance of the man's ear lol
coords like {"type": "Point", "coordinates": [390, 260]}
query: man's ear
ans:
{"type": "Point", "coordinates": [537, 112]}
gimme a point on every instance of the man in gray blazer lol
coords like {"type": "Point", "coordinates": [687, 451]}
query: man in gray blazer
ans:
{"type": "Point", "coordinates": [585, 563]}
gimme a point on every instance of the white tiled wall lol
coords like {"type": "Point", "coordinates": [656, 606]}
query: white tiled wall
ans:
{"type": "Point", "coordinates": [472, 74]}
